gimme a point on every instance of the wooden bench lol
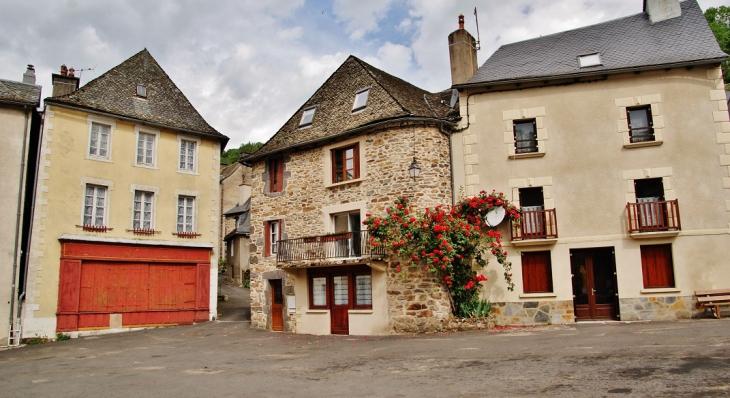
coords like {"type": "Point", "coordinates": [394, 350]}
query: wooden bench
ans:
{"type": "Point", "coordinates": [713, 299]}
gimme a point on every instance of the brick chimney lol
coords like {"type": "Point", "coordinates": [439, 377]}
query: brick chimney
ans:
{"type": "Point", "coordinates": [29, 75]}
{"type": "Point", "coordinates": [63, 83]}
{"type": "Point", "coordinates": [462, 54]}
{"type": "Point", "coordinates": [661, 10]}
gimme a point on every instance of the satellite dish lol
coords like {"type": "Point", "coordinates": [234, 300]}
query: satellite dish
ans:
{"type": "Point", "coordinates": [495, 216]}
{"type": "Point", "coordinates": [454, 98]}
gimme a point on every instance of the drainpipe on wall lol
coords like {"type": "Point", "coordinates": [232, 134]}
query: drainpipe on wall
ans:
{"type": "Point", "coordinates": [451, 163]}
{"type": "Point", "coordinates": [17, 222]}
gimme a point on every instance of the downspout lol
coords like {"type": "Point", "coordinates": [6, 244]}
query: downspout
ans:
{"type": "Point", "coordinates": [17, 219]}
{"type": "Point", "coordinates": [451, 161]}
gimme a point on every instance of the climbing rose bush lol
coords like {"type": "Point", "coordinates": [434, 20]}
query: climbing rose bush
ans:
{"type": "Point", "coordinates": [446, 241]}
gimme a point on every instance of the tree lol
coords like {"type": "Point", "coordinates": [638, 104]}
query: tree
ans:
{"type": "Point", "coordinates": [232, 155]}
{"type": "Point", "coordinates": [719, 20]}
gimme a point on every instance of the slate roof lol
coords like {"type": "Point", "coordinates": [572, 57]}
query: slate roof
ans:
{"type": "Point", "coordinates": [243, 222]}
{"type": "Point", "coordinates": [115, 93]}
{"type": "Point", "coordinates": [389, 98]}
{"type": "Point", "coordinates": [629, 43]}
{"type": "Point", "coordinates": [20, 93]}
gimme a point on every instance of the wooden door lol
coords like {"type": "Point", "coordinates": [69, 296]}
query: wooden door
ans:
{"type": "Point", "coordinates": [594, 283]}
{"type": "Point", "coordinates": [277, 305]}
{"type": "Point", "coordinates": [340, 304]}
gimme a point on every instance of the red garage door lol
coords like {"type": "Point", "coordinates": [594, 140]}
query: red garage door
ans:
{"type": "Point", "coordinates": [144, 293]}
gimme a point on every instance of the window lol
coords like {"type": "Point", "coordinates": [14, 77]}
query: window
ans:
{"type": "Point", "coordinates": [185, 214]}
{"type": "Point", "coordinates": [95, 205]}
{"type": "Point", "coordinates": [641, 126]}
{"type": "Point", "coordinates": [141, 91]}
{"type": "Point", "coordinates": [350, 287]}
{"type": "Point", "coordinates": [187, 155]}
{"type": "Point", "coordinates": [350, 244]}
{"type": "Point", "coordinates": [589, 60]}
{"type": "Point", "coordinates": [99, 140]}
{"type": "Point", "coordinates": [276, 175]}
{"type": "Point", "coordinates": [533, 216]}
{"type": "Point", "coordinates": [146, 149]}
{"type": "Point", "coordinates": [361, 100]}
{"type": "Point", "coordinates": [656, 266]}
{"type": "Point", "coordinates": [346, 163]}
{"type": "Point", "coordinates": [143, 210]}
{"type": "Point", "coordinates": [650, 202]}
{"type": "Point", "coordinates": [273, 235]}
{"type": "Point", "coordinates": [537, 274]}
{"type": "Point", "coordinates": [307, 117]}
{"type": "Point", "coordinates": [525, 136]}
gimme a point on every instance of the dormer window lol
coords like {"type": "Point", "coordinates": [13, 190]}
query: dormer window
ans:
{"type": "Point", "coordinates": [142, 91]}
{"type": "Point", "coordinates": [307, 117]}
{"type": "Point", "coordinates": [587, 60]}
{"type": "Point", "coordinates": [361, 100]}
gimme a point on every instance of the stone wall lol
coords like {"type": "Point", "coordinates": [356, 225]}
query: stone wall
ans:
{"type": "Point", "coordinates": [533, 312]}
{"type": "Point", "coordinates": [661, 308]}
{"type": "Point", "coordinates": [385, 156]}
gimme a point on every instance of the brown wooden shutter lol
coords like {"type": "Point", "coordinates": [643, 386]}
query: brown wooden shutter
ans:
{"type": "Point", "coordinates": [279, 174]}
{"type": "Point", "coordinates": [267, 238]}
{"type": "Point", "coordinates": [356, 160]}
{"type": "Point", "coordinates": [656, 266]}
{"type": "Point", "coordinates": [537, 272]}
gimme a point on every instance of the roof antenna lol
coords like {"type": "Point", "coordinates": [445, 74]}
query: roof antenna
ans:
{"type": "Point", "coordinates": [476, 18]}
{"type": "Point", "coordinates": [91, 69]}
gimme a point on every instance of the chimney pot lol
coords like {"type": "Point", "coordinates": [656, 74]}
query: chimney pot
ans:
{"type": "Point", "coordinates": [71, 72]}
{"type": "Point", "coordinates": [64, 70]}
{"type": "Point", "coordinates": [461, 21]}
{"type": "Point", "coordinates": [29, 75]}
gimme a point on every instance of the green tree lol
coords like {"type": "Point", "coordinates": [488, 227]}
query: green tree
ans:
{"type": "Point", "coordinates": [719, 20]}
{"type": "Point", "coordinates": [232, 155]}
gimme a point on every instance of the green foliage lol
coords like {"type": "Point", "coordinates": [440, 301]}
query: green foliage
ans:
{"type": "Point", "coordinates": [475, 309]}
{"type": "Point", "coordinates": [36, 340]}
{"type": "Point", "coordinates": [232, 155]}
{"type": "Point", "coordinates": [62, 337]}
{"type": "Point", "coordinates": [247, 283]}
{"type": "Point", "coordinates": [719, 20]}
{"type": "Point", "coordinates": [446, 242]}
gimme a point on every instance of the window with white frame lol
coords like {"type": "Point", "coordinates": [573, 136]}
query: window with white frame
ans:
{"type": "Point", "coordinates": [187, 155]}
{"type": "Point", "coordinates": [143, 210]}
{"type": "Point", "coordinates": [146, 149]}
{"type": "Point", "coordinates": [361, 100]}
{"type": "Point", "coordinates": [95, 204]}
{"type": "Point", "coordinates": [186, 214]}
{"type": "Point", "coordinates": [99, 140]}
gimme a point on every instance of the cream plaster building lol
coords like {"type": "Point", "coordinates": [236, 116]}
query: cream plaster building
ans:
{"type": "Point", "coordinates": [19, 133]}
{"type": "Point", "coordinates": [235, 210]}
{"type": "Point", "coordinates": [346, 153]}
{"type": "Point", "coordinates": [614, 138]}
{"type": "Point", "coordinates": [126, 224]}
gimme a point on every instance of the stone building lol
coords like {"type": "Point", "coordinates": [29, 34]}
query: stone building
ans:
{"type": "Point", "coordinates": [126, 222]}
{"type": "Point", "coordinates": [19, 134]}
{"type": "Point", "coordinates": [345, 153]}
{"type": "Point", "coordinates": [607, 136]}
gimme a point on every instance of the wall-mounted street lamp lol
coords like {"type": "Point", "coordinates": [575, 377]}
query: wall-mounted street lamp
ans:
{"type": "Point", "coordinates": [414, 170]}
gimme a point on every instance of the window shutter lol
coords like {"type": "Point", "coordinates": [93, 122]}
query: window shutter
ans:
{"type": "Point", "coordinates": [333, 156]}
{"type": "Point", "coordinates": [356, 158]}
{"type": "Point", "coordinates": [279, 174]}
{"type": "Point", "coordinates": [267, 240]}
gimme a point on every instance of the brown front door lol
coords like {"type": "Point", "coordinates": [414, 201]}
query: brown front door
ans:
{"type": "Point", "coordinates": [594, 283]}
{"type": "Point", "coordinates": [340, 304]}
{"type": "Point", "coordinates": [277, 304]}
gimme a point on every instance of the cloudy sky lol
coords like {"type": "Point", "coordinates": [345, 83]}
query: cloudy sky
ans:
{"type": "Point", "coordinates": [247, 65]}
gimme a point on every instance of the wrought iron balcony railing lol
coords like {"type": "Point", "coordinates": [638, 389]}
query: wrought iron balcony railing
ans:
{"type": "Point", "coordinates": [536, 224]}
{"type": "Point", "coordinates": [653, 216]}
{"type": "Point", "coordinates": [341, 245]}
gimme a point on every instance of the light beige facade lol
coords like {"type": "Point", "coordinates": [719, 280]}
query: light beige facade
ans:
{"type": "Point", "coordinates": [587, 168]}
{"type": "Point", "coordinates": [67, 168]}
{"type": "Point", "coordinates": [235, 191]}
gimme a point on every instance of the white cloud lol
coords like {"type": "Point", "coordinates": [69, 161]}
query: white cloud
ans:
{"type": "Point", "coordinates": [360, 17]}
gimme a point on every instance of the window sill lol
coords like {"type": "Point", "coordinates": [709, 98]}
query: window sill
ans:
{"type": "Point", "coordinates": [107, 160]}
{"type": "Point", "coordinates": [195, 173]}
{"type": "Point", "coordinates": [145, 166]}
{"type": "Point", "coordinates": [652, 235]}
{"type": "Point", "coordinates": [534, 242]}
{"type": "Point", "coordinates": [358, 312]}
{"type": "Point", "coordinates": [659, 290]}
{"type": "Point", "coordinates": [338, 184]}
{"type": "Point", "coordinates": [527, 155]}
{"type": "Point", "coordinates": [538, 295]}
{"type": "Point", "coordinates": [317, 312]}
{"type": "Point", "coordinates": [643, 144]}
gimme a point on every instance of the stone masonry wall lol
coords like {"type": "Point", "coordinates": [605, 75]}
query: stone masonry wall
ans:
{"type": "Point", "coordinates": [386, 154]}
{"type": "Point", "coordinates": [663, 308]}
{"type": "Point", "coordinates": [533, 312]}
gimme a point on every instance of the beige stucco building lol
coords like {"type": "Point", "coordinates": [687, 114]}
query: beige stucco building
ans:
{"type": "Point", "coordinates": [614, 143]}
{"type": "Point", "coordinates": [19, 133]}
{"type": "Point", "coordinates": [346, 153]}
{"type": "Point", "coordinates": [126, 224]}
{"type": "Point", "coordinates": [235, 210]}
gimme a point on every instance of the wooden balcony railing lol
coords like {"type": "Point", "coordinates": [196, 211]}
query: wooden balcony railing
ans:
{"type": "Point", "coordinates": [653, 216]}
{"type": "Point", "coordinates": [536, 224]}
{"type": "Point", "coordinates": [344, 245]}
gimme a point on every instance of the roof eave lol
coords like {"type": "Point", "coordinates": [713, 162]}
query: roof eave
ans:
{"type": "Point", "coordinates": [354, 131]}
{"type": "Point", "coordinates": [591, 73]}
{"type": "Point", "coordinates": [19, 103]}
{"type": "Point", "coordinates": [222, 138]}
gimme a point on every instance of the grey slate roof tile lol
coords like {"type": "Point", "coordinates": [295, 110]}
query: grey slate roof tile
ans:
{"type": "Point", "coordinates": [115, 92]}
{"type": "Point", "coordinates": [18, 92]}
{"type": "Point", "coordinates": [389, 98]}
{"type": "Point", "coordinates": [624, 44]}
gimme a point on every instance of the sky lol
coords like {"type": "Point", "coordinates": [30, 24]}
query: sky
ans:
{"type": "Point", "coordinates": [248, 65]}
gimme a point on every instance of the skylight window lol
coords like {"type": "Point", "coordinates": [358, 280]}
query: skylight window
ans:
{"type": "Point", "coordinates": [307, 117]}
{"type": "Point", "coordinates": [361, 100]}
{"type": "Point", "coordinates": [141, 91]}
{"type": "Point", "coordinates": [589, 60]}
